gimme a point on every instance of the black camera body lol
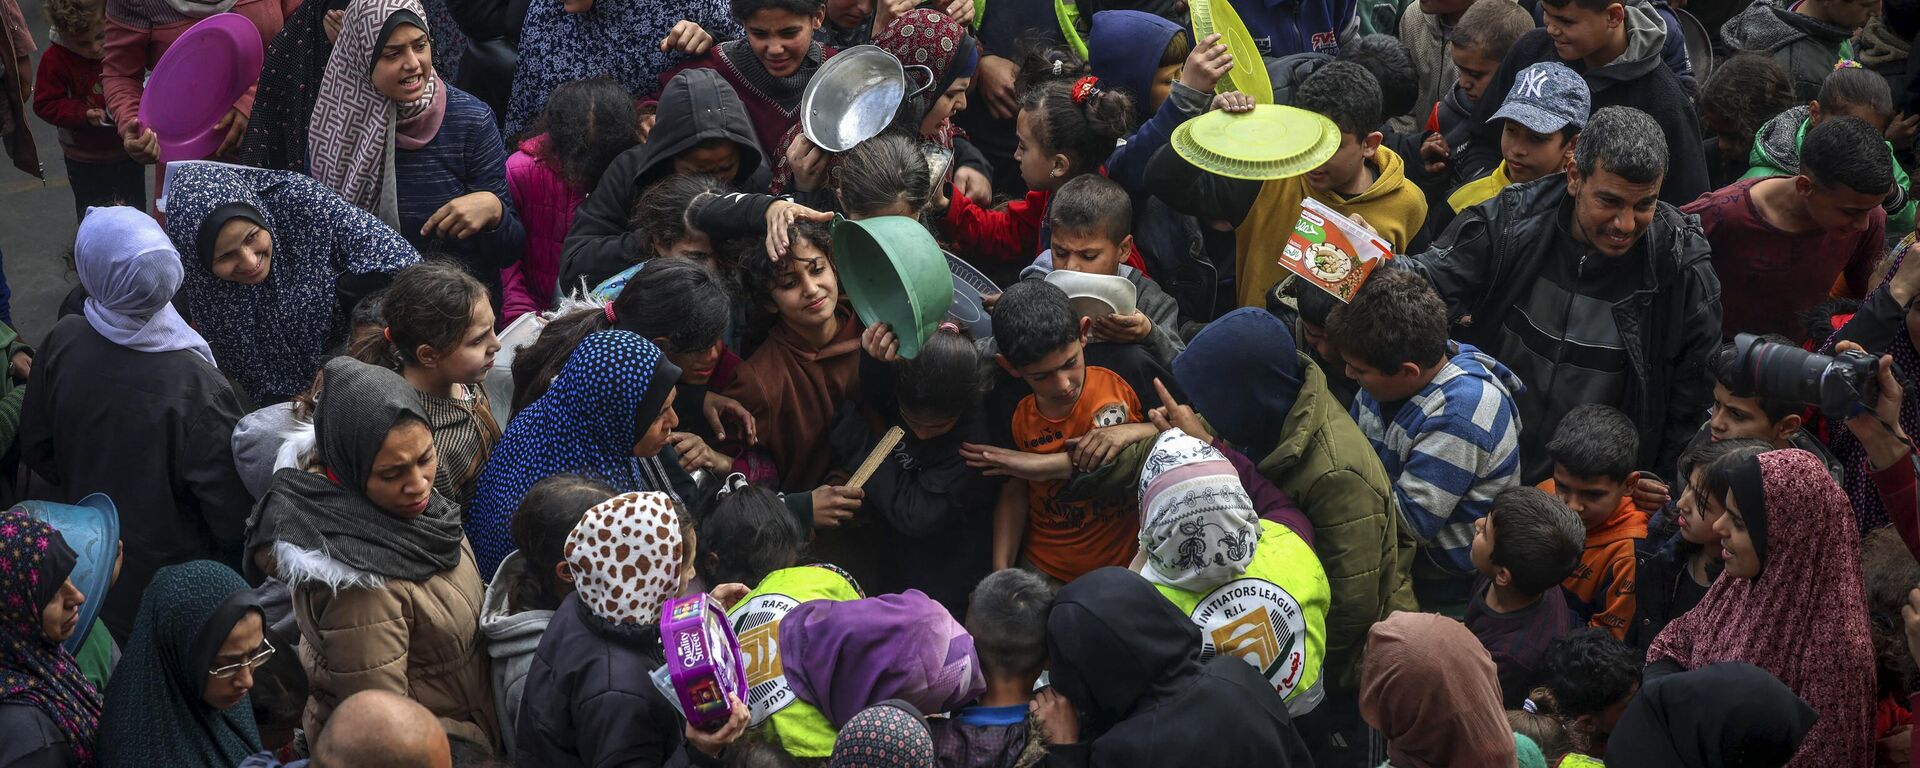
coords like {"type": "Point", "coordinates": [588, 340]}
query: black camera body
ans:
{"type": "Point", "coordinates": [1785, 373]}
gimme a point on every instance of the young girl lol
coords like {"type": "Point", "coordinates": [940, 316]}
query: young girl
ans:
{"type": "Point", "coordinates": [439, 337]}
{"type": "Point", "coordinates": [748, 535]}
{"type": "Point", "coordinates": [531, 583]}
{"type": "Point", "coordinates": [1590, 677]}
{"type": "Point", "coordinates": [586, 124]}
{"type": "Point", "coordinates": [1674, 575]}
{"type": "Point", "coordinates": [660, 224]}
{"type": "Point", "coordinates": [808, 365]}
{"type": "Point", "coordinates": [1067, 126]}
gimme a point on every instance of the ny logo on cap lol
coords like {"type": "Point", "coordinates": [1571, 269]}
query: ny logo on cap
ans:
{"type": "Point", "coordinates": [1531, 81]}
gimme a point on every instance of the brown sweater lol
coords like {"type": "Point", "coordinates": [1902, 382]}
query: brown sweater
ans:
{"type": "Point", "coordinates": [793, 388]}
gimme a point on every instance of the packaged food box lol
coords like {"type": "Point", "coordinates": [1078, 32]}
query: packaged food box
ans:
{"type": "Point", "coordinates": [1331, 252]}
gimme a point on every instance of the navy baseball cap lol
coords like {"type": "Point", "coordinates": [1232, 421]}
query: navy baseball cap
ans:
{"type": "Point", "coordinates": [1546, 98]}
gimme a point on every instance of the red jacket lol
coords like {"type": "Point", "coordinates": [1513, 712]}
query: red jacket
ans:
{"type": "Point", "coordinates": [68, 85]}
{"type": "Point", "coordinates": [1008, 235]}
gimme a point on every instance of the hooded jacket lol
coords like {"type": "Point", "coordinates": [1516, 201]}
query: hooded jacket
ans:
{"type": "Point", "coordinates": [1492, 259]}
{"type": "Point", "coordinates": [1882, 49]}
{"type": "Point", "coordinates": [696, 105]}
{"type": "Point", "coordinates": [1601, 588]}
{"type": "Point", "coordinates": [512, 637]}
{"type": "Point", "coordinates": [792, 388]}
{"type": "Point", "coordinates": [1803, 46]}
{"type": "Point", "coordinates": [1125, 656]}
{"type": "Point", "coordinates": [546, 205]}
{"type": "Point", "coordinates": [1638, 79]}
{"type": "Point", "coordinates": [1776, 152]}
{"type": "Point", "coordinates": [589, 700]}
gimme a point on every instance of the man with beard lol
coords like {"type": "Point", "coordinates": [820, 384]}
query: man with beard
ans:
{"type": "Point", "coordinates": [1591, 290]}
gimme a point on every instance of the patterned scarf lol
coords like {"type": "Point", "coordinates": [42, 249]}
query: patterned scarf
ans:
{"type": "Point", "coordinates": [1804, 619]}
{"type": "Point", "coordinates": [1198, 526]}
{"type": "Point", "coordinates": [35, 670]}
{"type": "Point", "coordinates": [625, 554]}
{"type": "Point", "coordinates": [350, 137]}
{"type": "Point", "coordinates": [891, 734]}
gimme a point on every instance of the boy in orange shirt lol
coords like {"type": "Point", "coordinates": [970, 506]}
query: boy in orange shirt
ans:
{"type": "Point", "coordinates": [1593, 452]}
{"type": "Point", "coordinates": [1077, 419]}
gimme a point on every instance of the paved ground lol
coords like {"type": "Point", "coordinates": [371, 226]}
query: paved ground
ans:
{"type": "Point", "coordinates": [36, 220]}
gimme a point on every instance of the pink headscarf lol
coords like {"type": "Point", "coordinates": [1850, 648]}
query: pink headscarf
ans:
{"type": "Point", "coordinates": [1430, 687]}
{"type": "Point", "coordinates": [1803, 619]}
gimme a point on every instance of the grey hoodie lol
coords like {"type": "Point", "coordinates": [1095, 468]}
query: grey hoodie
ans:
{"type": "Point", "coordinates": [1646, 45]}
{"type": "Point", "coordinates": [512, 637]}
{"type": "Point", "coordinates": [1802, 46]}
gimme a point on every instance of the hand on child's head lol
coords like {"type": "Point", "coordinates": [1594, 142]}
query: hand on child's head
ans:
{"type": "Point", "coordinates": [1208, 62]}
{"type": "Point", "coordinates": [1233, 101]}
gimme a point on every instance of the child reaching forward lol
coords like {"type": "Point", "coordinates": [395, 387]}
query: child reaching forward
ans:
{"type": "Point", "coordinates": [1077, 419]}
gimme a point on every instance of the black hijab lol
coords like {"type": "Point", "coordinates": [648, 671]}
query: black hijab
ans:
{"type": "Point", "coordinates": [1749, 492]}
{"type": "Point", "coordinates": [330, 513]}
{"type": "Point", "coordinates": [1726, 715]}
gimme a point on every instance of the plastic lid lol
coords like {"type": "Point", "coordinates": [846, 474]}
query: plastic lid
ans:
{"type": "Point", "coordinates": [1270, 142]}
{"type": "Point", "coordinates": [1249, 73]}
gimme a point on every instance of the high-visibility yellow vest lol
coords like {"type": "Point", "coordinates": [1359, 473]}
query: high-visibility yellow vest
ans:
{"type": "Point", "coordinates": [796, 726]}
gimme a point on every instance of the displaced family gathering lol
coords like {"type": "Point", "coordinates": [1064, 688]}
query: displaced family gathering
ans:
{"type": "Point", "coordinates": [914, 383]}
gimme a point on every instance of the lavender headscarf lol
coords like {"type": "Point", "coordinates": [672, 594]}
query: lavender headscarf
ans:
{"type": "Point", "coordinates": [845, 656]}
{"type": "Point", "coordinates": [131, 272]}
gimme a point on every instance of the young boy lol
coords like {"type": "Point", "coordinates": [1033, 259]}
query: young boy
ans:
{"type": "Point", "coordinates": [1424, 29]}
{"type": "Point", "coordinates": [1007, 616]}
{"type": "Point", "coordinates": [1362, 177]}
{"type": "Point", "coordinates": [1311, 310]}
{"type": "Point", "coordinates": [1540, 122]}
{"type": "Point", "coordinates": [1522, 549]}
{"type": "Point", "coordinates": [67, 94]}
{"type": "Point", "coordinates": [1740, 411]}
{"type": "Point", "coordinates": [1617, 48]}
{"type": "Point", "coordinates": [1780, 242]}
{"type": "Point", "coordinates": [1847, 92]}
{"type": "Point", "coordinates": [1078, 417]}
{"type": "Point", "coordinates": [1487, 30]}
{"type": "Point", "coordinates": [1739, 97]}
{"type": "Point", "coordinates": [1090, 224]}
{"type": "Point", "coordinates": [1439, 414]}
{"type": "Point", "coordinates": [1593, 452]}
{"type": "Point", "coordinates": [1805, 38]}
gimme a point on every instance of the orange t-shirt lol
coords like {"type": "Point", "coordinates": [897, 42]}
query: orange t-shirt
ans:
{"type": "Point", "coordinates": [1066, 539]}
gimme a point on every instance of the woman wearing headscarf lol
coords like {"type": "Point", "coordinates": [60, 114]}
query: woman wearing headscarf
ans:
{"type": "Point", "coordinates": [1129, 661]}
{"type": "Point", "coordinates": [1790, 602]}
{"type": "Point", "coordinates": [1729, 714]}
{"type": "Point", "coordinates": [606, 416]}
{"type": "Point", "coordinates": [1204, 545]}
{"type": "Point", "coordinates": [126, 402]}
{"type": "Point", "coordinates": [92, 529]}
{"type": "Point", "coordinates": [589, 700]}
{"type": "Point", "coordinates": [139, 32]}
{"type": "Point", "coordinates": [276, 262]}
{"type": "Point", "coordinates": [384, 586]}
{"type": "Point", "coordinates": [179, 696]}
{"type": "Point", "coordinates": [632, 41]}
{"type": "Point", "coordinates": [393, 138]}
{"type": "Point", "coordinates": [48, 710]}
{"type": "Point", "coordinates": [1431, 689]}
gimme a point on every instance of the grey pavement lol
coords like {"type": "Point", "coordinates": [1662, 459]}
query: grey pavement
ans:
{"type": "Point", "coordinates": [36, 220]}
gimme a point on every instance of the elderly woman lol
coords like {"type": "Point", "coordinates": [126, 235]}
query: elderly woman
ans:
{"type": "Point", "coordinates": [384, 586]}
{"type": "Point", "coordinates": [278, 261]}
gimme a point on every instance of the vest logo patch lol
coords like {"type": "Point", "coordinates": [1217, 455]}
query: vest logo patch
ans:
{"type": "Point", "coordinates": [1258, 622]}
{"type": "Point", "coordinates": [756, 623]}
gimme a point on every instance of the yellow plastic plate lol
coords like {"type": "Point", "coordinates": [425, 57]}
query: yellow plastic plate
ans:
{"type": "Point", "coordinates": [1270, 142]}
{"type": "Point", "coordinates": [1249, 73]}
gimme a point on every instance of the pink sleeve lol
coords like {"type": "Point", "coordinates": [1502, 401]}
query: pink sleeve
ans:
{"type": "Point", "coordinates": [123, 69]}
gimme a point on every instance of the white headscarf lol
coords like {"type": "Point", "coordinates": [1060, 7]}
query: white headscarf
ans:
{"type": "Point", "coordinates": [1198, 527]}
{"type": "Point", "coordinates": [131, 271]}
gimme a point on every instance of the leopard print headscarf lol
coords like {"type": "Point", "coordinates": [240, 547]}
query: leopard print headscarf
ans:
{"type": "Point", "coordinates": [625, 555]}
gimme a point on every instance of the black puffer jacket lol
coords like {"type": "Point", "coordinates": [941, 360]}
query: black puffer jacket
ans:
{"type": "Point", "coordinates": [696, 105]}
{"type": "Point", "coordinates": [1489, 261]}
{"type": "Point", "coordinates": [1804, 47]}
{"type": "Point", "coordinates": [1130, 661]}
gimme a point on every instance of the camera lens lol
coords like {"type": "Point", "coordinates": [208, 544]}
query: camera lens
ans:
{"type": "Point", "coordinates": [1779, 371]}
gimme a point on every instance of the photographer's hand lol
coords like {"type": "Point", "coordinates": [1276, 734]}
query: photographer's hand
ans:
{"type": "Point", "coordinates": [1878, 427]}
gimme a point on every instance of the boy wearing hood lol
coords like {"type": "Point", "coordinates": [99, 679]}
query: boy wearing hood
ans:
{"type": "Point", "coordinates": [701, 128]}
{"type": "Point", "coordinates": [1617, 48]}
{"type": "Point", "coordinates": [1805, 38]}
{"type": "Point", "coordinates": [1440, 414]}
{"type": "Point", "coordinates": [1126, 657]}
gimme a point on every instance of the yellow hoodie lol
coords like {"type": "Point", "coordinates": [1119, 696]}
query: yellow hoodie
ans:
{"type": "Point", "coordinates": [1393, 205]}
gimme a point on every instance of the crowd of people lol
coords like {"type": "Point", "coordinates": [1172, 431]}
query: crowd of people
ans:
{"type": "Point", "coordinates": [392, 430]}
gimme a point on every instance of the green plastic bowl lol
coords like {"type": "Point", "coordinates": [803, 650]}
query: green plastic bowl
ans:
{"type": "Point", "coordinates": [895, 273]}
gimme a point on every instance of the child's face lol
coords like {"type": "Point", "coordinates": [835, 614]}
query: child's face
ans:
{"type": "Point", "coordinates": [1163, 84]}
{"type": "Point", "coordinates": [90, 42]}
{"type": "Point", "coordinates": [780, 38]}
{"type": "Point", "coordinates": [696, 247]}
{"type": "Point", "coordinates": [1482, 550]}
{"type": "Point", "coordinates": [719, 158]}
{"type": "Point", "coordinates": [469, 359]}
{"type": "Point", "coordinates": [1387, 386]}
{"type": "Point", "coordinates": [1736, 543]}
{"type": "Point", "coordinates": [1592, 498]}
{"type": "Point", "coordinates": [1735, 417]}
{"type": "Point", "coordinates": [1837, 210]}
{"type": "Point", "coordinates": [808, 292]}
{"type": "Point", "coordinates": [1734, 142]}
{"type": "Point", "coordinates": [1057, 378]}
{"type": "Point", "coordinates": [1340, 173]}
{"type": "Point", "coordinates": [1695, 513]}
{"type": "Point", "coordinates": [1577, 32]}
{"type": "Point", "coordinates": [848, 14]}
{"type": "Point", "coordinates": [1850, 14]}
{"type": "Point", "coordinates": [1038, 167]}
{"type": "Point", "coordinates": [696, 366]}
{"type": "Point", "coordinates": [1316, 336]}
{"type": "Point", "coordinates": [1476, 69]}
{"type": "Point", "coordinates": [1532, 155]}
{"type": "Point", "coordinates": [1089, 252]}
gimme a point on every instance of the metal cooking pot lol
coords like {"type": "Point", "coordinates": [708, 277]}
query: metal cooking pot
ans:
{"type": "Point", "coordinates": [855, 96]}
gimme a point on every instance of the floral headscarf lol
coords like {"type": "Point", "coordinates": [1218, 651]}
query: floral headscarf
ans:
{"type": "Point", "coordinates": [625, 555]}
{"type": "Point", "coordinates": [1198, 526]}
{"type": "Point", "coordinates": [35, 670]}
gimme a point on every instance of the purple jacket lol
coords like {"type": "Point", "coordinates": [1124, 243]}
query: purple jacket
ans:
{"type": "Point", "coordinates": [546, 205]}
